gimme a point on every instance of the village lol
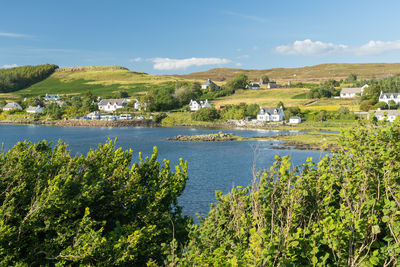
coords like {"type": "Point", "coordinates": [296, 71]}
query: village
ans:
{"type": "Point", "coordinates": [116, 109]}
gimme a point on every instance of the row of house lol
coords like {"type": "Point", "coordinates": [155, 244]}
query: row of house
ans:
{"type": "Point", "coordinates": [30, 109]}
{"type": "Point", "coordinates": [270, 84]}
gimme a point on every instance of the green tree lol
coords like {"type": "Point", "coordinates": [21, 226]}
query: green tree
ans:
{"type": "Point", "coordinates": [205, 114]}
{"type": "Point", "coordinates": [53, 111]}
{"type": "Point", "coordinates": [342, 211]}
{"type": "Point", "coordinates": [265, 79]}
{"type": "Point", "coordinates": [352, 77]}
{"type": "Point", "coordinates": [98, 209]}
{"type": "Point", "coordinates": [241, 81]}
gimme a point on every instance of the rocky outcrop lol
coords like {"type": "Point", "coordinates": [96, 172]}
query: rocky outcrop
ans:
{"type": "Point", "coordinates": [206, 137]}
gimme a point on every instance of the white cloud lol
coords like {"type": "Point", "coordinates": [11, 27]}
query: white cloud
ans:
{"type": "Point", "coordinates": [14, 35]}
{"type": "Point", "coordinates": [238, 64]}
{"type": "Point", "coordinates": [174, 64]}
{"type": "Point", "coordinates": [308, 47]}
{"type": "Point", "coordinates": [377, 47]}
{"type": "Point", "coordinates": [6, 66]}
{"type": "Point", "coordinates": [136, 59]}
{"type": "Point", "coordinates": [318, 48]}
{"type": "Point", "coordinates": [255, 48]}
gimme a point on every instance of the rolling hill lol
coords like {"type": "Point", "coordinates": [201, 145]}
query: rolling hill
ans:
{"type": "Point", "coordinates": [315, 73]}
{"type": "Point", "coordinates": [101, 81]}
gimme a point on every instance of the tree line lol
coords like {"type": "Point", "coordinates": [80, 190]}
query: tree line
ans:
{"type": "Point", "coordinates": [18, 78]}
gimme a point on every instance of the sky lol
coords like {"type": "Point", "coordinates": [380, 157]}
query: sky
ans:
{"type": "Point", "coordinates": [184, 36]}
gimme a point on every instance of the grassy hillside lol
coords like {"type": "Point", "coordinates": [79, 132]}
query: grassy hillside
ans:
{"type": "Point", "coordinates": [315, 73]}
{"type": "Point", "coordinates": [289, 96]}
{"type": "Point", "coordinates": [101, 81]}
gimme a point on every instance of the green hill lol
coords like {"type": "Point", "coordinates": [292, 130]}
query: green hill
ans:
{"type": "Point", "coordinates": [101, 81]}
{"type": "Point", "coordinates": [315, 73]}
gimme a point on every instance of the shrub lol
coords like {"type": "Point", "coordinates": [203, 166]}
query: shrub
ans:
{"type": "Point", "coordinates": [205, 114]}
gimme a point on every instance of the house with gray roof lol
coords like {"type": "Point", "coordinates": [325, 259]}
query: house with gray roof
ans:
{"type": "Point", "coordinates": [11, 106]}
{"type": "Point", "coordinates": [197, 105]}
{"type": "Point", "coordinates": [207, 83]}
{"type": "Point", "coordinates": [270, 114]}
{"type": "Point", "coordinates": [34, 109]}
{"type": "Point", "coordinates": [352, 92]}
{"type": "Point", "coordinates": [386, 97]}
{"type": "Point", "coordinates": [390, 115]}
{"type": "Point", "coordinates": [110, 105]}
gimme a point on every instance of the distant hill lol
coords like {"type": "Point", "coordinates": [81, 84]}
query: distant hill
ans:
{"type": "Point", "coordinates": [99, 80]}
{"type": "Point", "coordinates": [315, 73]}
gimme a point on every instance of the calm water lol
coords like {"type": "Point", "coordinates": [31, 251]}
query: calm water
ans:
{"type": "Point", "coordinates": [211, 165]}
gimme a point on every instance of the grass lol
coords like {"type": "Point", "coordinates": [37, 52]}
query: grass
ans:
{"type": "Point", "coordinates": [183, 118]}
{"type": "Point", "coordinates": [265, 97]}
{"type": "Point", "coordinates": [332, 104]}
{"type": "Point", "coordinates": [101, 81]}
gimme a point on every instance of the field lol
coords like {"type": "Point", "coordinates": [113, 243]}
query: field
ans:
{"type": "Point", "coordinates": [266, 97]}
{"type": "Point", "coordinates": [102, 81]}
{"type": "Point", "coordinates": [313, 74]}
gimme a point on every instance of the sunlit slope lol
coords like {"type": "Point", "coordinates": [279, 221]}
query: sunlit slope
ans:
{"type": "Point", "coordinates": [99, 80]}
{"type": "Point", "coordinates": [315, 73]}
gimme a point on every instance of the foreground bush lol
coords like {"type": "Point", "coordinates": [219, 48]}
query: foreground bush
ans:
{"type": "Point", "coordinates": [91, 210]}
{"type": "Point", "coordinates": [343, 211]}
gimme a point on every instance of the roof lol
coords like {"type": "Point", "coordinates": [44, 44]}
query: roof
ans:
{"type": "Point", "coordinates": [295, 117]}
{"type": "Point", "coordinates": [208, 82]}
{"type": "Point", "coordinates": [30, 108]}
{"type": "Point", "coordinates": [269, 111]}
{"type": "Point", "coordinates": [119, 102]}
{"type": "Point", "coordinates": [389, 95]}
{"type": "Point", "coordinates": [255, 85]}
{"type": "Point", "coordinates": [391, 112]}
{"type": "Point", "coordinates": [12, 105]}
{"type": "Point", "coordinates": [351, 90]}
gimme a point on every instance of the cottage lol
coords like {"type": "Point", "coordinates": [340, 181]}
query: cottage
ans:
{"type": "Point", "coordinates": [271, 84]}
{"type": "Point", "coordinates": [390, 114]}
{"type": "Point", "coordinates": [11, 106]}
{"type": "Point", "coordinates": [254, 86]}
{"type": "Point", "coordinates": [52, 97]}
{"type": "Point", "coordinates": [270, 114]}
{"type": "Point", "coordinates": [197, 105]}
{"type": "Point", "coordinates": [110, 105]}
{"type": "Point", "coordinates": [294, 120]}
{"type": "Point", "coordinates": [352, 92]}
{"type": "Point", "coordinates": [35, 110]}
{"type": "Point", "coordinates": [386, 97]}
{"type": "Point", "coordinates": [207, 83]}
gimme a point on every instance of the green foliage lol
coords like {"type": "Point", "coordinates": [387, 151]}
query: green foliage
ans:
{"type": "Point", "coordinates": [205, 114]}
{"type": "Point", "coordinates": [265, 79]}
{"type": "Point", "coordinates": [238, 112]}
{"type": "Point", "coordinates": [241, 81]}
{"type": "Point", "coordinates": [53, 111]}
{"type": "Point", "coordinates": [98, 209]}
{"type": "Point", "coordinates": [159, 117]}
{"type": "Point", "coordinates": [343, 211]}
{"type": "Point", "coordinates": [22, 77]}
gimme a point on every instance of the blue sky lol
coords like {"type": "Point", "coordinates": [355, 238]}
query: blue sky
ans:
{"type": "Point", "coordinates": [168, 37]}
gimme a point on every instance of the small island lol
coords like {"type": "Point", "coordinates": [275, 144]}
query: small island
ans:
{"type": "Point", "coordinates": [301, 141]}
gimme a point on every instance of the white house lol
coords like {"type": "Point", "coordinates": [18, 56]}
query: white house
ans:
{"type": "Point", "coordinates": [207, 83]}
{"type": "Point", "coordinates": [36, 110]}
{"type": "Point", "coordinates": [390, 114]}
{"type": "Point", "coordinates": [386, 97]}
{"type": "Point", "coordinates": [12, 105]}
{"type": "Point", "coordinates": [352, 92]}
{"type": "Point", "coordinates": [270, 114]}
{"type": "Point", "coordinates": [95, 115]}
{"type": "Point", "coordinates": [294, 120]}
{"type": "Point", "coordinates": [110, 105]}
{"type": "Point", "coordinates": [271, 84]}
{"type": "Point", "coordinates": [196, 105]}
{"type": "Point", "coordinates": [52, 97]}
